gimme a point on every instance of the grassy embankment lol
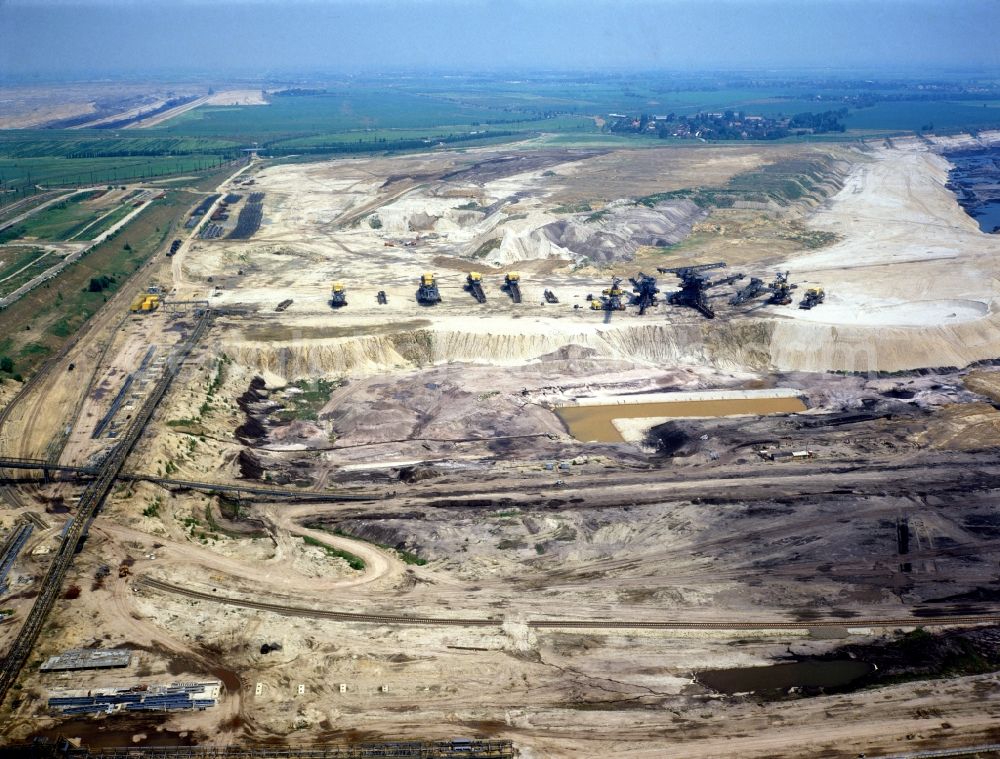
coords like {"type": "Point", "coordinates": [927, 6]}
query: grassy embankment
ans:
{"type": "Point", "coordinates": [407, 557]}
{"type": "Point", "coordinates": [354, 562]}
{"type": "Point", "coordinates": [19, 264]}
{"type": "Point", "coordinates": [37, 325]}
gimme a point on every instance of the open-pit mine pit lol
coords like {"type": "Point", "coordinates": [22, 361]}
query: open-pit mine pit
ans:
{"type": "Point", "coordinates": [540, 520]}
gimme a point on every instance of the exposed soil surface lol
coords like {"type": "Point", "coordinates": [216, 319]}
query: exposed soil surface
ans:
{"type": "Point", "coordinates": [471, 500]}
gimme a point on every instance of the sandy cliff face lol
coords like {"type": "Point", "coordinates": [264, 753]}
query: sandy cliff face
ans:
{"type": "Point", "coordinates": [725, 345]}
{"type": "Point", "coordinates": [756, 344]}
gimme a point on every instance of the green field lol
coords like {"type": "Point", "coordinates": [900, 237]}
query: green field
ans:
{"type": "Point", "coordinates": [19, 264]}
{"type": "Point", "coordinates": [36, 325]}
{"type": "Point", "coordinates": [929, 116]}
{"type": "Point", "coordinates": [106, 222]}
{"type": "Point", "coordinates": [359, 119]}
{"type": "Point", "coordinates": [393, 114]}
{"type": "Point", "coordinates": [60, 221]}
{"type": "Point", "coordinates": [333, 111]}
{"type": "Point", "coordinates": [78, 217]}
{"type": "Point", "coordinates": [69, 172]}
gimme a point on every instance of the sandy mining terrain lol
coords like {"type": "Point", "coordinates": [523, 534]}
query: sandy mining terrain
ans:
{"type": "Point", "coordinates": [27, 107]}
{"type": "Point", "coordinates": [476, 527]}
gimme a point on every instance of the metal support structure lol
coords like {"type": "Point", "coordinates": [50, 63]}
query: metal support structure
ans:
{"type": "Point", "coordinates": [88, 473]}
{"type": "Point", "coordinates": [468, 749]}
{"type": "Point", "coordinates": [92, 499]}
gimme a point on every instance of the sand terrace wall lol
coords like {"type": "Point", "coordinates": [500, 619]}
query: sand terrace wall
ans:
{"type": "Point", "coordinates": [748, 344]}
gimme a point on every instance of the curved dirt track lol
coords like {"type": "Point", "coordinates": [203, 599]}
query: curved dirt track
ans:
{"type": "Point", "coordinates": [379, 564]}
{"type": "Point", "coordinates": [274, 573]}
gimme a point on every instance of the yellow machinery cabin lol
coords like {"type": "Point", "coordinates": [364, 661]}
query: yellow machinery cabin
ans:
{"type": "Point", "coordinates": [427, 279]}
{"type": "Point", "coordinates": [145, 303]}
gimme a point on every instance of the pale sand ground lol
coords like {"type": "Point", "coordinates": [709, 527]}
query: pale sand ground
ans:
{"type": "Point", "coordinates": [527, 685]}
{"type": "Point", "coordinates": [910, 283]}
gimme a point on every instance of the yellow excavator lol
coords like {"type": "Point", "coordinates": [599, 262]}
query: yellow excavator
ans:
{"type": "Point", "coordinates": [474, 284]}
{"type": "Point", "coordinates": [512, 284]}
{"type": "Point", "coordinates": [338, 295]}
{"type": "Point", "coordinates": [427, 293]}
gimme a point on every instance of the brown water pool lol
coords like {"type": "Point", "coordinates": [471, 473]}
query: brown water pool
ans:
{"type": "Point", "coordinates": [593, 423]}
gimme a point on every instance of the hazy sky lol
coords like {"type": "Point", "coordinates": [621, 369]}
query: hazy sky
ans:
{"type": "Point", "coordinates": [260, 36]}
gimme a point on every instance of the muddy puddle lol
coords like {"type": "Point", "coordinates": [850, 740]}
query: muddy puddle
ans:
{"type": "Point", "coordinates": [594, 423]}
{"type": "Point", "coordinates": [116, 731]}
{"type": "Point", "coordinates": [781, 677]}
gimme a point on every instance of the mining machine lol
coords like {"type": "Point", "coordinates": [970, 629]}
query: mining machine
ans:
{"type": "Point", "coordinates": [644, 291]}
{"type": "Point", "coordinates": [751, 291]}
{"type": "Point", "coordinates": [381, 298]}
{"type": "Point", "coordinates": [695, 286]}
{"type": "Point", "coordinates": [612, 298]}
{"type": "Point", "coordinates": [512, 284]}
{"type": "Point", "coordinates": [813, 297]}
{"type": "Point", "coordinates": [338, 295]}
{"type": "Point", "coordinates": [427, 293]}
{"type": "Point", "coordinates": [474, 284]}
{"type": "Point", "coordinates": [550, 297]}
{"type": "Point", "coordinates": [781, 290]}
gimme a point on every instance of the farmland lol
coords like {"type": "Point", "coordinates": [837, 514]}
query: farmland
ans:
{"type": "Point", "coordinates": [25, 174]}
{"type": "Point", "coordinates": [19, 263]}
{"type": "Point", "coordinates": [396, 114]}
{"type": "Point", "coordinates": [37, 324]}
{"type": "Point", "coordinates": [62, 221]}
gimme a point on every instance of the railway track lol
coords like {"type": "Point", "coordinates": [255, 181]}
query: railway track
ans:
{"type": "Point", "coordinates": [45, 370]}
{"type": "Point", "coordinates": [58, 444]}
{"type": "Point", "coordinates": [569, 624]}
{"type": "Point", "coordinates": [87, 509]}
{"type": "Point", "coordinates": [89, 473]}
{"type": "Point", "coordinates": [495, 748]}
{"type": "Point", "coordinates": [986, 748]}
{"type": "Point", "coordinates": [459, 497]}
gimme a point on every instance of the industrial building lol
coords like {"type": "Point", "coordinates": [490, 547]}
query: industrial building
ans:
{"type": "Point", "coordinates": [88, 658]}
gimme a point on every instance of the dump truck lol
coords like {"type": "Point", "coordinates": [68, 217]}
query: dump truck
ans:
{"type": "Point", "coordinates": [813, 297]}
{"type": "Point", "coordinates": [512, 284]}
{"type": "Point", "coordinates": [427, 293]}
{"type": "Point", "coordinates": [338, 295]}
{"type": "Point", "coordinates": [474, 284]}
